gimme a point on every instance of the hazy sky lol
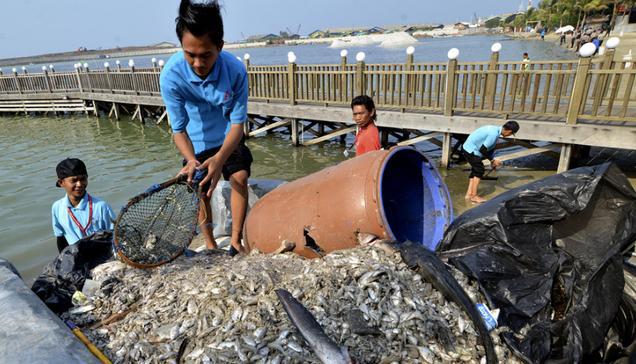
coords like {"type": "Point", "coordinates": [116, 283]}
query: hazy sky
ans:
{"type": "Point", "coordinates": [30, 27]}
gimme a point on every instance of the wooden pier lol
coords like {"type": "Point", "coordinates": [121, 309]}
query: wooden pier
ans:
{"type": "Point", "coordinates": [585, 102]}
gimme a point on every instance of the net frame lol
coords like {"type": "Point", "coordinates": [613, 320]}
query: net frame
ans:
{"type": "Point", "coordinates": [119, 245]}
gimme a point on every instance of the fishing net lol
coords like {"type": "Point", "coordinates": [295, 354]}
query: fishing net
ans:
{"type": "Point", "coordinates": [156, 226]}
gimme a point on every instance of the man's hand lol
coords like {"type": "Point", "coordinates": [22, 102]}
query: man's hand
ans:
{"type": "Point", "coordinates": [189, 169]}
{"type": "Point", "coordinates": [214, 169]}
{"type": "Point", "coordinates": [496, 163]}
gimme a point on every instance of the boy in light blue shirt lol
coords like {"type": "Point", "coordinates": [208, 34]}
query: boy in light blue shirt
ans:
{"type": "Point", "coordinates": [78, 214]}
{"type": "Point", "coordinates": [480, 145]}
{"type": "Point", "coordinates": [205, 91]}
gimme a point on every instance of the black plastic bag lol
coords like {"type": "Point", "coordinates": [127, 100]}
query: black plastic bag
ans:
{"type": "Point", "coordinates": [548, 254]}
{"type": "Point", "coordinates": [66, 274]}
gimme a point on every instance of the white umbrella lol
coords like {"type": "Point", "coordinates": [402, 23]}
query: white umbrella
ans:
{"type": "Point", "coordinates": [565, 29]}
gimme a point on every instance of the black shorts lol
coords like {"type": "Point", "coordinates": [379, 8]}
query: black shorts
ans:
{"type": "Point", "coordinates": [477, 168]}
{"type": "Point", "coordinates": [240, 160]}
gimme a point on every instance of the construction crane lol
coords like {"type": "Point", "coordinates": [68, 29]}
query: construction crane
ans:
{"type": "Point", "coordinates": [293, 33]}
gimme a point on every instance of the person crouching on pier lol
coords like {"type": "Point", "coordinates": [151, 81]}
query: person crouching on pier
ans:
{"type": "Point", "coordinates": [480, 145]}
{"type": "Point", "coordinates": [364, 115]}
{"type": "Point", "coordinates": [78, 214]}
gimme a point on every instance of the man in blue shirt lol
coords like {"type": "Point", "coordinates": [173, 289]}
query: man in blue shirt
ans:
{"type": "Point", "coordinates": [78, 214]}
{"type": "Point", "coordinates": [480, 145]}
{"type": "Point", "coordinates": [205, 93]}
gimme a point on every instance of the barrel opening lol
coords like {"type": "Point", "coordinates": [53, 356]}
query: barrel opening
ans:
{"type": "Point", "coordinates": [412, 202]}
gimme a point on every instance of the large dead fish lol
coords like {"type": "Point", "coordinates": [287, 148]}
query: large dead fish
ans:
{"type": "Point", "coordinates": [327, 351]}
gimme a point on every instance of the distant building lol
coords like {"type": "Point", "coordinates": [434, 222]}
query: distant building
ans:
{"type": "Point", "coordinates": [263, 38]}
{"type": "Point", "coordinates": [318, 34]}
{"type": "Point", "coordinates": [461, 25]}
{"type": "Point", "coordinates": [339, 32]}
{"type": "Point", "coordinates": [164, 45]}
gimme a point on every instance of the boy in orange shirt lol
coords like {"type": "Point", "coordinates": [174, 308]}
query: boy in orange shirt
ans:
{"type": "Point", "coordinates": [364, 115]}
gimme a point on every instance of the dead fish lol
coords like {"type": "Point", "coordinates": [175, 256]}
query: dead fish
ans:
{"type": "Point", "coordinates": [150, 241]}
{"type": "Point", "coordinates": [326, 350]}
{"type": "Point", "coordinates": [366, 239]}
{"type": "Point", "coordinates": [182, 348]}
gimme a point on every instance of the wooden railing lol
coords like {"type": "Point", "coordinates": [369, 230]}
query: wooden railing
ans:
{"type": "Point", "coordinates": [594, 89]}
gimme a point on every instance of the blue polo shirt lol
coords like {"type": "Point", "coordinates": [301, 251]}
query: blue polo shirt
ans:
{"type": "Point", "coordinates": [63, 224]}
{"type": "Point", "coordinates": [486, 135]}
{"type": "Point", "coordinates": [205, 108]}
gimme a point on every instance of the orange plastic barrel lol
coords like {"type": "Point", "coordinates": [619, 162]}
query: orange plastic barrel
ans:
{"type": "Point", "coordinates": [392, 194]}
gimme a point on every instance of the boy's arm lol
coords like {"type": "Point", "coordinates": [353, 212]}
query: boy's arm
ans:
{"type": "Point", "coordinates": [184, 145]}
{"type": "Point", "coordinates": [488, 147]}
{"type": "Point", "coordinates": [110, 217]}
{"type": "Point", "coordinates": [61, 243]}
{"type": "Point", "coordinates": [175, 106]}
{"type": "Point", "coordinates": [58, 231]}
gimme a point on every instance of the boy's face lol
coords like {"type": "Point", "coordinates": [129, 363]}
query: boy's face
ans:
{"type": "Point", "coordinates": [74, 185]}
{"type": "Point", "coordinates": [200, 52]}
{"type": "Point", "coordinates": [361, 115]}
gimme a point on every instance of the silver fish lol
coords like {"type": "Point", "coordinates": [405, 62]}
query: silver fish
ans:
{"type": "Point", "coordinates": [326, 350]}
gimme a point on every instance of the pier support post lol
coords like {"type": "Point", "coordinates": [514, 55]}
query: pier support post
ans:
{"type": "Point", "coordinates": [47, 79]}
{"type": "Point", "coordinates": [294, 132]}
{"type": "Point", "coordinates": [291, 78]}
{"type": "Point", "coordinates": [578, 90]}
{"type": "Point", "coordinates": [446, 150]}
{"type": "Point", "coordinates": [79, 79]}
{"type": "Point", "coordinates": [564, 158]}
{"type": "Point", "coordinates": [449, 92]}
{"type": "Point", "coordinates": [131, 64]}
{"type": "Point", "coordinates": [138, 114]}
{"type": "Point", "coordinates": [491, 79]}
{"type": "Point", "coordinates": [360, 84]}
{"type": "Point", "coordinates": [409, 77]}
{"type": "Point", "coordinates": [114, 110]}
{"type": "Point", "coordinates": [109, 78]}
{"type": "Point", "coordinates": [164, 115]}
{"type": "Point", "coordinates": [88, 78]}
{"type": "Point", "coordinates": [17, 82]}
{"type": "Point", "coordinates": [449, 103]}
{"type": "Point", "coordinates": [384, 137]}
{"type": "Point", "coordinates": [343, 76]}
{"type": "Point", "coordinates": [600, 87]}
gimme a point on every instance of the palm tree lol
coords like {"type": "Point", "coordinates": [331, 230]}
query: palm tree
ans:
{"type": "Point", "coordinates": [592, 6]}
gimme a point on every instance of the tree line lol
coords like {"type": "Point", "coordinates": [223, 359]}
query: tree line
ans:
{"type": "Point", "coordinates": [552, 14]}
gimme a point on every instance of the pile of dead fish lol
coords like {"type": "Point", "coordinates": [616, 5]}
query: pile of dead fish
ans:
{"type": "Point", "coordinates": [213, 308]}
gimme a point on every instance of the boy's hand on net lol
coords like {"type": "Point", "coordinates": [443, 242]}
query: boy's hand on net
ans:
{"type": "Point", "coordinates": [189, 169]}
{"type": "Point", "coordinates": [214, 174]}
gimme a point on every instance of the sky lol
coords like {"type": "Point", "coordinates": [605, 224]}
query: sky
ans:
{"type": "Point", "coordinates": [33, 27]}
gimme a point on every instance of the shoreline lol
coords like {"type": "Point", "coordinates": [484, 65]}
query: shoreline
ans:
{"type": "Point", "coordinates": [142, 51]}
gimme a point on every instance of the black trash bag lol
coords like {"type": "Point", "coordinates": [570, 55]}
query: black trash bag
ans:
{"type": "Point", "coordinates": [620, 341]}
{"type": "Point", "coordinates": [548, 254]}
{"type": "Point", "coordinates": [66, 274]}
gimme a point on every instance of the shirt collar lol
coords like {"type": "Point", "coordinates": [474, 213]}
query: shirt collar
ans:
{"type": "Point", "coordinates": [212, 77]}
{"type": "Point", "coordinates": [368, 125]}
{"type": "Point", "coordinates": [81, 205]}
